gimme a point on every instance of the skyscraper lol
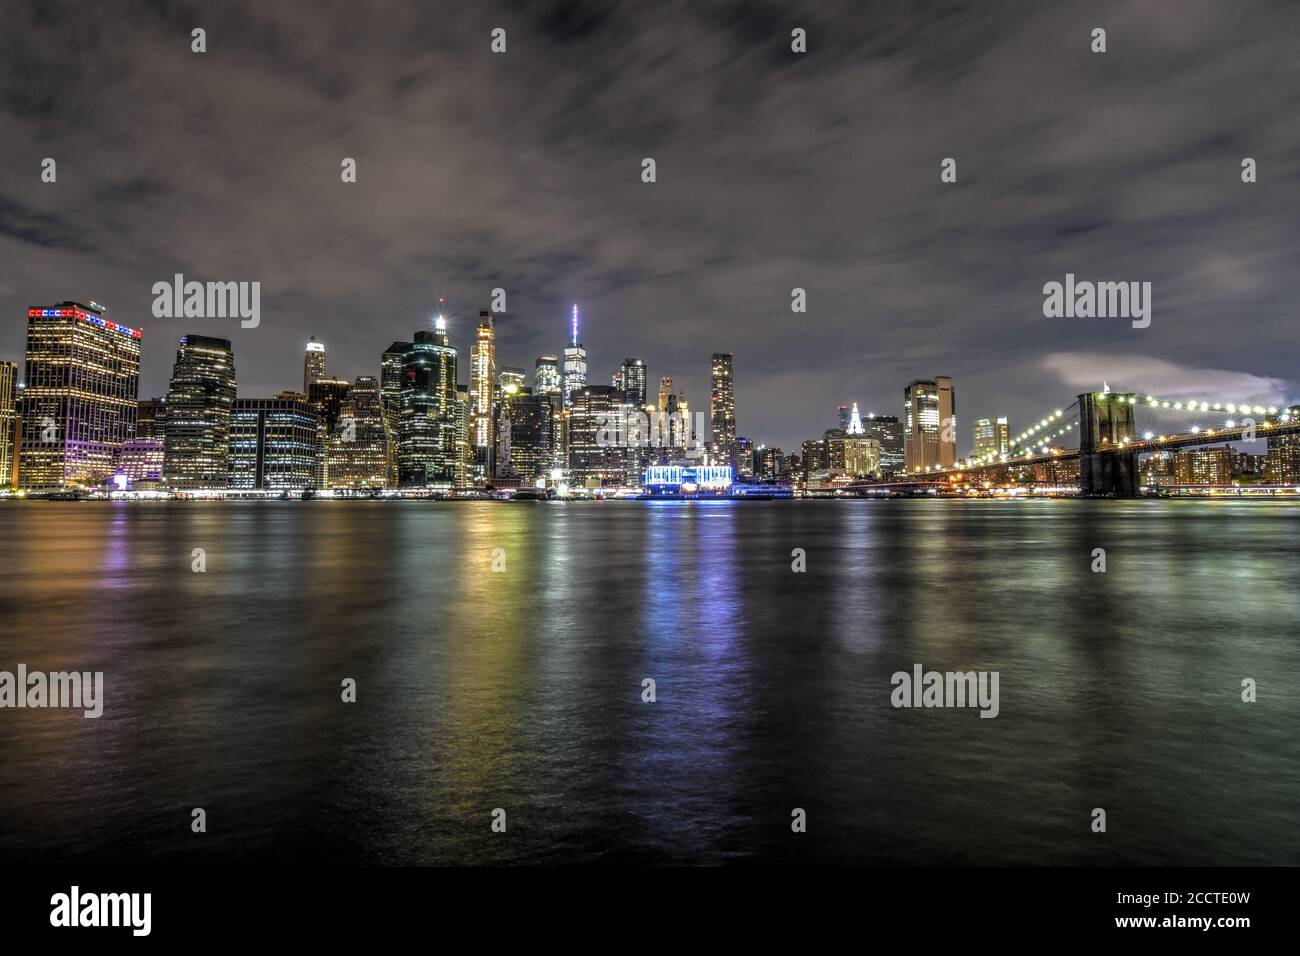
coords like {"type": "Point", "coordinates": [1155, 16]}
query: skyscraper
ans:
{"type": "Point", "coordinates": [575, 363]}
{"type": "Point", "coordinates": [149, 418]}
{"type": "Point", "coordinates": [929, 424]}
{"type": "Point", "coordinates": [665, 392]}
{"type": "Point", "coordinates": [8, 417]}
{"type": "Point", "coordinates": [79, 405]}
{"type": "Point", "coordinates": [390, 396]}
{"type": "Point", "coordinates": [313, 364]}
{"type": "Point", "coordinates": [594, 461]}
{"type": "Point", "coordinates": [427, 452]}
{"type": "Point", "coordinates": [512, 380]}
{"type": "Point", "coordinates": [634, 382]}
{"type": "Point", "coordinates": [482, 389]}
{"type": "Point", "coordinates": [325, 397]}
{"type": "Point", "coordinates": [854, 425]}
{"type": "Point", "coordinates": [359, 455]}
{"type": "Point", "coordinates": [273, 443]}
{"type": "Point", "coordinates": [196, 436]}
{"type": "Point", "coordinates": [888, 430]}
{"type": "Point", "coordinates": [547, 379]}
{"type": "Point", "coordinates": [722, 412]}
{"type": "Point", "coordinates": [390, 376]}
{"type": "Point", "coordinates": [991, 437]}
{"type": "Point", "coordinates": [527, 427]}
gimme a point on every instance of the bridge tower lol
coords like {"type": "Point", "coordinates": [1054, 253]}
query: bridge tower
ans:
{"type": "Point", "coordinates": [1106, 466]}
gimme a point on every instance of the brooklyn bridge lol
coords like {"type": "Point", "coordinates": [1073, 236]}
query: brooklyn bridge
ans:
{"type": "Point", "coordinates": [1108, 445]}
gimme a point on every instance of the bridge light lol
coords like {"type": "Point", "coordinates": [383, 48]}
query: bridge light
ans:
{"type": "Point", "coordinates": [1272, 409]}
{"type": "Point", "coordinates": [1132, 400]}
{"type": "Point", "coordinates": [1218, 405]}
{"type": "Point", "coordinates": [1148, 435]}
{"type": "Point", "coordinates": [1178, 405]}
{"type": "Point", "coordinates": [1259, 409]}
{"type": "Point", "coordinates": [1196, 429]}
{"type": "Point", "coordinates": [1205, 406]}
{"type": "Point", "coordinates": [1166, 405]}
{"type": "Point", "coordinates": [1230, 423]}
{"type": "Point", "coordinates": [1151, 400]}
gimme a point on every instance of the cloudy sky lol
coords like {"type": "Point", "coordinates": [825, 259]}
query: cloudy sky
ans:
{"type": "Point", "coordinates": [775, 170]}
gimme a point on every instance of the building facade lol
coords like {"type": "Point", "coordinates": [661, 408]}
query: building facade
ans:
{"type": "Point", "coordinates": [722, 412]}
{"type": "Point", "coordinates": [929, 425]}
{"type": "Point", "coordinates": [8, 421]}
{"type": "Point", "coordinates": [428, 451]}
{"type": "Point", "coordinates": [313, 364]}
{"type": "Point", "coordinates": [273, 443]}
{"type": "Point", "coordinates": [991, 437]}
{"type": "Point", "coordinates": [594, 459]}
{"type": "Point", "coordinates": [196, 436]}
{"type": "Point", "coordinates": [359, 452]}
{"type": "Point", "coordinates": [79, 405]}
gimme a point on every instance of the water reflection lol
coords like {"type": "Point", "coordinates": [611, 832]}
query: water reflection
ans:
{"type": "Point", "coordinates": [522, 688]}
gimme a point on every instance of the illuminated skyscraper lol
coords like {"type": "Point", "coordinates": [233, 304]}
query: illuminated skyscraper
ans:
{"type": "Point", "coordinates": [512, 380]}
{"type": "Point", "coordinates": [888, 430]}
{"type": "Point", "coordinates": [325, 397]}
{"type": "Point", "coordinates": [8, 418]}
{"type": "Point", "coordinates": [633, 380]}
{"type": "Point", "coordinates": [482, 389]}
{"type": "Point", "coordinates": [594, 461]}
{"type": "Point", "coordinates": [390, 376]}
{"type": "Point", "coordinates": [665, 392]}
{"type": "Point", "coordinates": [464, 453]}
{"type": "Point", "coordinates": [196, 442]}
{"type": "Point", "coordinates": [527, 428]}
{"type": "Point", "coordinates": [427, 447]}
{"type": "Point", "coordinates": [814, 457]}
{"type": "Point", "coordinates": [547, 379]}
{"type": "Point", "coordinates": [79, 405]}
{"type": "Point", "coordinates": [390, 396]}
{"type": "Point", "coordinates": [575, 363]}
{"type": "Point", "coordinates": [854, 425]}
{"type": "Point", "coordinates": [929, 424]}
{"type": "Point", "coordinates": [313, 364]}
{"type": "Point", "coordinates": [359, 455]}
{"type": "Point", "coordinates": [274, 443]}
{"type": "Point", "coordinates": [991, 437]}
{"type": "Point", "coordinates": [861, 455]}
{"type": "Point", "coordinates": [722, 412]}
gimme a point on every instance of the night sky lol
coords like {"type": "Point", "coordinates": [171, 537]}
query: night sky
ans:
{"type": "Point", "coordinates": [775, 170]}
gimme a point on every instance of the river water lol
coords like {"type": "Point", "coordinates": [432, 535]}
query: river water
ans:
{"type": "Point", "coordinates": [521, 688]}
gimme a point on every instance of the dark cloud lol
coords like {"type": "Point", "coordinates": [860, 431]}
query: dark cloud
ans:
{"type": "Point", "coordinates": [775, 171]}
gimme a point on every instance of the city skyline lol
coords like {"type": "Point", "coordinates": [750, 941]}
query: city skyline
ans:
{"type": "Point", "coordinates": [655, 265]}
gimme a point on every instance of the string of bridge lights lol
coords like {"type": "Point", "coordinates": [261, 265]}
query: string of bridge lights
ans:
{"type": "Point", "coordinates": [1039, 435]}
